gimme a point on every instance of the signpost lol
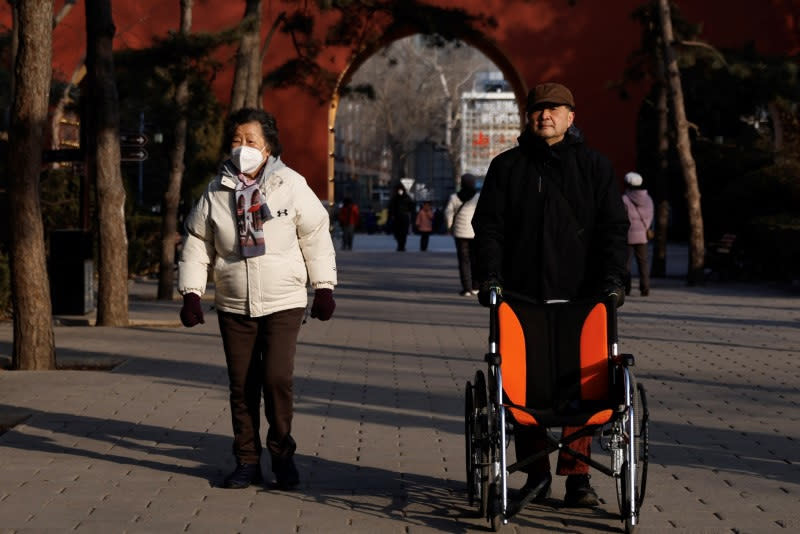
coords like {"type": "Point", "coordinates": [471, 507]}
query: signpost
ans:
{"type": "Point", "coordinates": [131, 146]}
{"type": "Point", "coordinates": [132, 153]}
{"type": "Point", "coordinates": [132, 150]}
{"type": "Point", "coordinates": [136, 139]}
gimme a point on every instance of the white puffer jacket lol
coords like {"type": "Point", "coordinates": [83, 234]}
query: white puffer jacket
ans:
{"type": "Point", "coordinates": [297, 238]}
{"type": "Point", "coordinates": [459, 214]}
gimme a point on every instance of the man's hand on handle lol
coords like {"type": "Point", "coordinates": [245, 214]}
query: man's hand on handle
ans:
{"type": "Point", "coordinates": [486, 288]}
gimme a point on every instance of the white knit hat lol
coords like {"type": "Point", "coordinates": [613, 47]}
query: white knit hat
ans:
{"type": "Point", "coordinates": [633, 179]}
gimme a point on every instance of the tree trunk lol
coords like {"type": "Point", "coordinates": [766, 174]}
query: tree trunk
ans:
{"type": "Point", "coordinates": [34, 346]}
{"type": "Point", "coordinates": [247, 76]}
{"type": "Point", "coordinates": [659, 268]}
{"type": "Point", "coordinates": [14, 43]}
{"type": "Point", "coordinates": [683, 145]}
{"type": "Point", "coordinates": [169, 222]}
{"type": "Point", "coordinates": [399, 160]}
{"type": "Point", "coordinates": [777, 126]}
{"type": "Point", "coordinates": [104, 166]}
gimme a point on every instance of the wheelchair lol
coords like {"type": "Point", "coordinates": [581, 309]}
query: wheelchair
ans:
{"type": "Point", "coordinates": [553, 365]}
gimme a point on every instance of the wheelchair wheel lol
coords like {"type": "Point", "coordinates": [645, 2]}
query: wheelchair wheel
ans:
{"type": "Point", "coordinates": [495, 511]}
{"type": "Point", "coordinates": [640, 440]}
{"type": "Point", "coordinates": [482, 443]}
{"type": "Point", "coordinates": [469, 440]}
{"type": "Point", "coordinates": [642, 445]}
{"type": "Point", "coordinates": [622, 492]}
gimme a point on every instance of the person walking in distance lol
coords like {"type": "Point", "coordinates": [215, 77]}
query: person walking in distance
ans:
{"type": "Point", "coordinates": [424, 225]}
{"type": "Point", "coordinates": [640, 214]}
{"type": "Point", "coordinates": [261, 290]}
{"type": "Point", "coordinates": [550, 225]}
{"type": "Point", "coordinates": [458, 214]}
{"type": "Point", "coordinates": [400, 209]}
{"type": "Point", "coordinates": [348, 220]}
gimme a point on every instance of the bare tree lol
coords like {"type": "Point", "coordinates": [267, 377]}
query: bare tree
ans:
{"type": "Point", "coordinates": [684, 148]}
{"type": "Point", "coordinates": [455, 65]}
{"type": "Point", "coordinates": [413, 90]}
{"type": "Point", "coordinates": [104, 165]}
{"type": "Point", "coordinates": [247, 76]}
{"type": "Point", "coordinates": [659, 267]}
{"type": "Point", "coordinates": [34, 346]}
{"type": "Point", "coordinates": [169, 221]}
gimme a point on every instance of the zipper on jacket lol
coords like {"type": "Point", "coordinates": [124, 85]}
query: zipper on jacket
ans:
{"type": "Point", "coordinates": [540, 183]}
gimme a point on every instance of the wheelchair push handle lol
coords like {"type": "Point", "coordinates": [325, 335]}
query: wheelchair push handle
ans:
{"type": "Point", "coordinates": [611, 310]}
{"type": "Point", "coordinates": [495, 297]}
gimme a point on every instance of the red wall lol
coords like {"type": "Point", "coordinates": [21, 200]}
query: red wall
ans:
{"type": "Point", "coordinates": [585, 47]}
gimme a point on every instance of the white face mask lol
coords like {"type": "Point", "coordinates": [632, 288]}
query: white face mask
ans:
{"type": "Point", "coordinates": [246, 158]}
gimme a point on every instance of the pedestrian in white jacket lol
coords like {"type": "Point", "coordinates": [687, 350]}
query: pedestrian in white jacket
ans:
{"type": "Point", "coordinates": [458, 214]}
{"type": "Point", "coordinates": [264, 235]}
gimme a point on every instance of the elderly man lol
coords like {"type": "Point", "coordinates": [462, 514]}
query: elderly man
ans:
{"type": "Point", "coordinates": [550, 225]}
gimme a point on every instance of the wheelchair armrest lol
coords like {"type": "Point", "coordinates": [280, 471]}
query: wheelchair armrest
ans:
{"type": "Point", "coordinates": [625, 360]}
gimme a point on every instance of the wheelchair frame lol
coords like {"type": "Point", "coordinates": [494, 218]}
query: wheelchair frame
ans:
{"type": "Point", "coordinates": [487, 435]}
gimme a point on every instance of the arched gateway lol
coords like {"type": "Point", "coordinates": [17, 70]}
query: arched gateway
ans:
{"type": "Point", "coordinates": [582, 43]}
{"type": "Point", "coordinates": [585, 46]}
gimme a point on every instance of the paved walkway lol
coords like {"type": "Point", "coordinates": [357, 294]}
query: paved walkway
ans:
{"type": "Point", "coordinates": [379, 423]}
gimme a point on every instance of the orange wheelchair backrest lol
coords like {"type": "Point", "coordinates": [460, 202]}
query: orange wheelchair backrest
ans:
{"type": "Point", "coordinates": [554, 356]}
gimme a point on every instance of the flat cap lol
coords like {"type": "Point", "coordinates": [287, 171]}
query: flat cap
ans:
{"type": "Point", "coordinates": [550, 93]}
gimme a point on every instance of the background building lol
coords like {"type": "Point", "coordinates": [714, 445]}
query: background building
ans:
{"type": "Point", "coordinates": [489, 123]}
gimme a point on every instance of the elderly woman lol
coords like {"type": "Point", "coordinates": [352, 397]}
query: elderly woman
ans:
{"type": "Point", "coordinates": [265, 234]}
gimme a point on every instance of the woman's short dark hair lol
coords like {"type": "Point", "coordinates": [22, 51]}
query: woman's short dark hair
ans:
{"type": "Point", "coordinates": [269, 127]}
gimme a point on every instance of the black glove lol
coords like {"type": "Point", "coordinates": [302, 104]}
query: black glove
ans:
{"type": "Point", "coordinates": [192, 312]}
{"type": "Point", "coordinates": [618, 293]}
{"type": "Point", "coordinates": [323, 305]}
{"type": "Point", "coordinates": [485, 289]}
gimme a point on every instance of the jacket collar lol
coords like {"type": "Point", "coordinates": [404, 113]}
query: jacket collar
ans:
{"type": "Point", "coordinates": [537, 146]}
{"type": "Point", "coordinates": [228, 175]}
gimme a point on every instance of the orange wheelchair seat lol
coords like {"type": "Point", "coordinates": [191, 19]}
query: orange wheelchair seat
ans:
{"type": "Point", "coordinates": [555, 362]}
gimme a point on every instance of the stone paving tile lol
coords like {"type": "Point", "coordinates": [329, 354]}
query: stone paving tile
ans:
{"type": "Point", "coordinates": [379, 418]}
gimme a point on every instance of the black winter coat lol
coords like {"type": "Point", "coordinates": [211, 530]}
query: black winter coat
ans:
{"type": "Point", "coordinates": [550, 221]}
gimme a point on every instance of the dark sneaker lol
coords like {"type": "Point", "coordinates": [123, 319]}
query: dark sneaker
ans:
{"type": "Point", "coordinates": [539, 484]}
{"type": "Point", "coordinates": [286, 475]}
{"type": "Point", "coordinates": [243, 476]}
{"type": "Point", "coordinates": [580, 492]}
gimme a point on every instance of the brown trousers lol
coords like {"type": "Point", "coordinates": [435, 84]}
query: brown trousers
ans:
{"type": "Point", "coordinates": [260, 353]}
{"type": "Point", "coordinates": [529, 440]}
{"type": "Point", "coordinates": [640, 252]}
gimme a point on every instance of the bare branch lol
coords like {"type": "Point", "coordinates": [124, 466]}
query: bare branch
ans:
{"type": "Point", "coordinates": [65, 9]}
